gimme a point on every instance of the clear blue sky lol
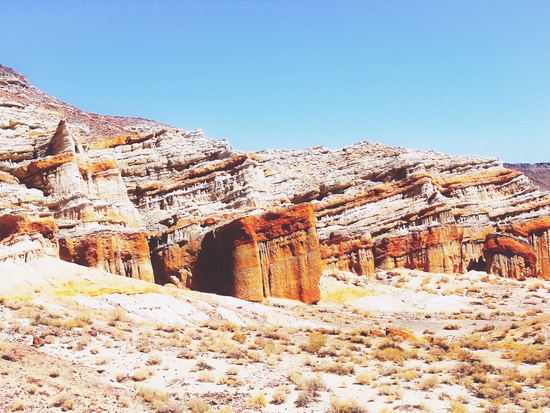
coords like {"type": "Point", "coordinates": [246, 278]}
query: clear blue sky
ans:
{"type": "Point", "coordinates": [455, 76]}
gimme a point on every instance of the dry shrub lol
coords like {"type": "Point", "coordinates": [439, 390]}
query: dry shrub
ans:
{"type": "Point", "coordinates": [392, 391]}
{"type": "Point", "coordinates": [65, 401]}
{"type": "Point", "coordinates": [185, 354]}
{"type": "Point", "coordinates": [296, 377]}
{"type": "Point", "coordinates": [458, 407]}
{"type": "Point", "coordinates": [102, 361]}
{"type": "Point", "coordinates": [390, 351]}
{"type": "Point", "coordinates": [255, 402]}
{"type": "Point", "coordinates": [316, 341]}
{"type": "Point", "coordinates": [339, 368]}
{"type": "Point", "coordinates": [280, 395]}
{"type": "Point", "coordinates": [304, 399]}
{"type": "Point", "coordinates": [345, 406]}
{"type": "Point", "coordinates": [239, 337]}
{"type": "Point", "coordinates": [206, 377]}
{"type": "Point", "coordinates": [18, 406]}
{"type": "Point", "coordinates": [202, 365]}
{"type": "Point", "coordinates": [363, 379]}
{"type": "Point", "coordinates": [124, 401]}
{"type": "Point", "coordinates": [428, 383]}
{"type": "Point", "coordinates": [475, 342]}
{"type": "Point", "coordinates": [153, 396]}
{"type": "Point", "coordinates": [143, 374]}
{"type": "Point", "coordinates": [153, 360]}
{"type": "Point", "coordinates": [232, 371]}
{"type": "Point", "coordinates": [197, 405]}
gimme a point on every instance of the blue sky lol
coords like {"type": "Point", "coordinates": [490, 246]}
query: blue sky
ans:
{"type": "Point", "coordinates": [461, 77]}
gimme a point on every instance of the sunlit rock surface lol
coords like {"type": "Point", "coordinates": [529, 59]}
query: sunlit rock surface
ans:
{"type": "Point", "coordinates": [145, 200]}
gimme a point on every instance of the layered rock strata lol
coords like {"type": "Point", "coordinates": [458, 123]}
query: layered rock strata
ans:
{"type": "Point", "coordinates": [270, 255]}
{"type": "Point", "coordinates": [143, 199]}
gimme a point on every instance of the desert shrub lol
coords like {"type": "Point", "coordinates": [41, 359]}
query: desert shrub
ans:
{"type": "Point", "coordinates": [428, 383]}
{"type": "Point", "coordinates": [295, 377]}
{"type": "Point", "coordinates": [255, 402]}
{"type": "Point", "coordinates": [206, 377]}
{"type": "Point", "coordinates": [342, 369]}
{"type": "Point", "coordinates": [390, 351]}
{"type": "Point", "coordinates": [153, 396]}
{"type": "Point", "coordinates": [363, 379]}
{"type": "Point", "coordinates": [116, 315]}
{"type": "Point", "coordinates": [280, 395]}
{"type": "Point", "coordinates": [18, 406]}
{"type": "Point", "coordinates": [185, 354]}
{"type": "Point", "coordinates": [232, 371]}
{"type": "Point", "coordinates": [304, 399]}
{"type": "Point", "coordinates": [143, 374]}
{"type": "Point", "coordinates": [197, 405]}
{"type": "Point", "coordinates": [314, 385]}
{"type": "Point", "coordinates": [458, 407]}
{"type": "Point", "coordinates": [394, 392]}
{"type": "Point", "coordinates": [474, 342]}
{"type": "Point", "coordinates": [346, 406]}
{"type": "Point", "coordinates": [202, 365]}
{"type": "Point", "coordinates": [102, 361]}
{"type": "Point", "coordinates": [124, 401]}
{"type": "Point", "coordinates": [254, 356]}
{"type": "Point", "coordinates": [153, 360]}
{"type": "Point", "coordinates": [65, 401]}
{"type": "Point", "coordinates": [316, 341]}
{"type": "Point", "coordinates": [239, 337]}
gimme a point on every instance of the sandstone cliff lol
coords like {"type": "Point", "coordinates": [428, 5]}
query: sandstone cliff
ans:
{"type": "Point", "coordinates": [142, 199]}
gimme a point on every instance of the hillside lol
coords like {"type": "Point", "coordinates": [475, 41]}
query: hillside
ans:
{"type": "Point", "coordinates": [150, 268]}
{"type": "Point", "coordinates": [538, 173]}
{"type": "Point", "coordinates": [152, 202]}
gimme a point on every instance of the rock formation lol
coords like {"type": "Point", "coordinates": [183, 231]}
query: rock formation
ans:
{"type": "Point", "coordinates": [538, 173]}
{"type": "Point", "coordinates": [271, 255]}
{"type": "Point", "coordinates": [143, 199]}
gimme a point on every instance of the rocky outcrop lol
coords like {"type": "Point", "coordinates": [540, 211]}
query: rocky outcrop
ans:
{"type": "Point", "coordinates": [271, 255]}
{"type": "Point", "coordinates": [538, 173]}
{"type": "Point", "coordinates": [142, 199]}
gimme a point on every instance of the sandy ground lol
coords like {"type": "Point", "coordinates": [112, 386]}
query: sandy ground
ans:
{"type": "Point", "coordinates": [405, 341]}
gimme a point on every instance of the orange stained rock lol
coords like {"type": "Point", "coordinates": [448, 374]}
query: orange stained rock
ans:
{"type": "Point", "coordinates": [526, 228]}
{"type": "Point", "coordinates": [349, 254]}
{"type": "Point", "coordinates": [437, 249]}
{"type": "Point", "coordinates": [124, 254]}
{"type": "Point", "coordinates": [508, 245]}
{"type": "Point", "coordinates": [270, 255]}
{"type": "Point", "coordinates": [22, 224]}
{"type": "Point", "coordinates": [95, 167]}
{"type": "Point", "coordinates": [44, 164]}
{"type": "Point", "coordinates": [126, 140]}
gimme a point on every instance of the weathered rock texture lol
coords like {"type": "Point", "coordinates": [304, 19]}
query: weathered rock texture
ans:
{"type": "Point", "coordinates": [142, 199]}
{"type": "Point", "coordinates": [271, 255]}
{"type": "Point", "coordinates": [538, 173]}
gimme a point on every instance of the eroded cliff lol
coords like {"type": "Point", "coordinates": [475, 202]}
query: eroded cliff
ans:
{"type": "Point", "coordinates": [142, 199]}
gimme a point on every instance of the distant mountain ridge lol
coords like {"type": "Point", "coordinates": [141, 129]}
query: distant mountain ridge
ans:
{"type": "Point", "coordinates": [538, 173]}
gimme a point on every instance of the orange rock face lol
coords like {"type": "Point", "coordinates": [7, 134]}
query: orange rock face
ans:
{"type": "Point", "coordinates": [349, 254]}
{"type": "Point", "coordinates": [272, 255]}
{"type": "Point", "coordinates": [509, 256]}
{"type": "Point", "coordinates": [125, 254]}
{"type": "Point", "coordinates": [12, 225]}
